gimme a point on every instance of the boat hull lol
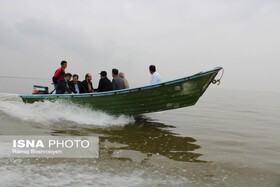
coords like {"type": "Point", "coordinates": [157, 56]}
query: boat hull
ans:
{"type": "Point", "coordinates": [153, 98]}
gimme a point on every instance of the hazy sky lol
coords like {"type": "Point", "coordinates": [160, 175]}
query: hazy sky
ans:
{"type": "Point", "coordinates": [181, 37]}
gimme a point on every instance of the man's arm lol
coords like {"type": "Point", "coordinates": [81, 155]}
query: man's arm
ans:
{"type": "Point", "coordinates": [114, 86]}
{"type": "Point", "coordinates": [67, 88]}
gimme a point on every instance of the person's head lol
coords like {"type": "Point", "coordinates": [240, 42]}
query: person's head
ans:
{"type": "Point", "coordinates": [152, 69]}
{"type": "Point", "coordinates": [103, 74]}
{"type": "Point", "coordinates": [75, 78]}
{"type": "Point", "coordinates": [68, 76]}
{"type": "Point", "coordinates": [115, 72]}
{"type": "Point", "coordinates": [121, 75]}
{"type": "Point", "coordinates": [63, 64]}
{"type": "Point", "coordinates": [88, 77]}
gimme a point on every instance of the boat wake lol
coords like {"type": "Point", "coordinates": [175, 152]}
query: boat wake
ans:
{"type": "Point", "coordinates": [57, 112]}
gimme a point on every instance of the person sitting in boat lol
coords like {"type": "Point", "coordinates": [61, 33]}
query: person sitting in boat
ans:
{"type": "Point", "coordinates": [126, 84]}
{"type": "Point", "coordinates": [76, 85]}
{"type": "Point", "coordinates": [63, 85]}
{"type": "Point", "coordinates": [117, 82]}
{"type": "Point", "coordinates": [87, 84]}
{"type": "Point", "coordinates": [156, 78]}
{"type": "Point", "coordinates": [104, 83]}
{"type": "Point", "coordinates": [59, 73]}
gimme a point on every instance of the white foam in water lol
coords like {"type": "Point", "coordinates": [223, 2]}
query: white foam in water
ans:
{"type": "Point", "coordinates": [52, 112]}
{"type": "Point", "coordinates": [80, 175]}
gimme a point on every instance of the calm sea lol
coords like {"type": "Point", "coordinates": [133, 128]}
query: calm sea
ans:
{"type": "Point", "coordinates": [229, 138]}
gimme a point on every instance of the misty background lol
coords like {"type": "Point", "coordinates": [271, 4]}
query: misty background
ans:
{"type": "Point", "coordinates": [180, 37]}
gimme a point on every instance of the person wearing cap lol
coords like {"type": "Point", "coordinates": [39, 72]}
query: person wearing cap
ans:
{"type": "Point", "coordinates": [63, 85]}
{"type": "Point", "coordinates": [156, 78]}
{"type": "Point", "coordinates": [104, 83]}
{"type": "Point", "coordinates": [126, 84]}
{"type": "Point", "coordinates": [117, 82]}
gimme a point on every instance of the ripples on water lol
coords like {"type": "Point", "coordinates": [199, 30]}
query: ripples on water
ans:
{"type": "Point", "coordinates": [229, 138]}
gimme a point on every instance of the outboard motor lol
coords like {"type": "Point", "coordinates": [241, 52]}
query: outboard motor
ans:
{"type": "Point", "coordinates": [40, 89]}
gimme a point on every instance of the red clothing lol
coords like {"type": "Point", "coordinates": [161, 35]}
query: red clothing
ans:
{"type": "Point", "coordinates": [59, 73]}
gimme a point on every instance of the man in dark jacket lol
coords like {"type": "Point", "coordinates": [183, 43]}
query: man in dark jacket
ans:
{"type": "Point", "coordinates": [104, 83]}
{"type": "Point", "coordinates": [117, 82]}
{"type": "Point", "coordinates": [87, 84]}
{"type": "Point", "coordinates": [63, 85]}
{"type": "Point", "coordinates": [76, 85]}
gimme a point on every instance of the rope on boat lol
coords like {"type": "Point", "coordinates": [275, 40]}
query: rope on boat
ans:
{"type": "Point", "coordinates": [218, 81]}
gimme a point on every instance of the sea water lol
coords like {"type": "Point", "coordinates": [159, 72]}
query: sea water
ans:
{"type": "Point", "coordinates": [229, 138]}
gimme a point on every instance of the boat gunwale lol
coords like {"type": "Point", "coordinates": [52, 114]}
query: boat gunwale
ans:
{"type": "Point", "coordinates": [114, 92]}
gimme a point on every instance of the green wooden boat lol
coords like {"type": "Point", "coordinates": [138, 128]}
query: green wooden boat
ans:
{"type": "Point", "coordinates": [153, 98]}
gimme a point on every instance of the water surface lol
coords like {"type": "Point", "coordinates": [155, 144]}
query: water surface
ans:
{"type": "Point", "coordinates": [229, 138]}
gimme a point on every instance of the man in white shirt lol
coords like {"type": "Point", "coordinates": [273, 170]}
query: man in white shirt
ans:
{"type": "Point", "coordinates": [156, 78]}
